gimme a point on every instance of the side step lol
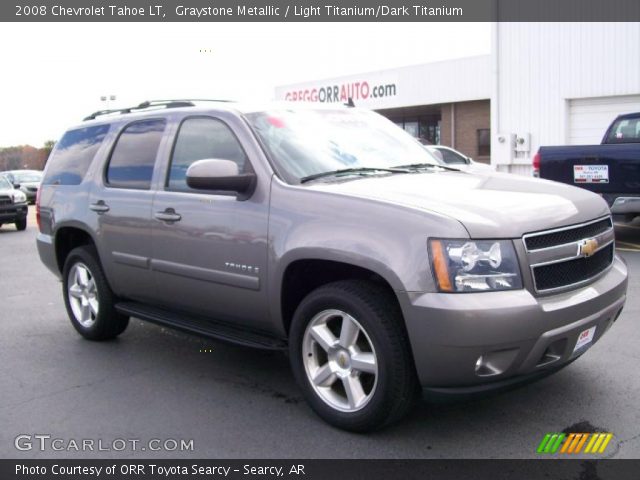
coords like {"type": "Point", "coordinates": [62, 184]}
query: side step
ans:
{"type": "Point", "coordinates": [202, 326]}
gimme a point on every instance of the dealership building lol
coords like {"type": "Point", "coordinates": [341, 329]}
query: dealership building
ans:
{"type": "Point", "coordinates": [542, 84]}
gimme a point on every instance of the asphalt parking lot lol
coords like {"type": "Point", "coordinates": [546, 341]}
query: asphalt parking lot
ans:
{"type": "Point", "coordinates": [234, 402]}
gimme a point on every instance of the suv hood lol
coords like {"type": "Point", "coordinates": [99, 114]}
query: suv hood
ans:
{"type": "Point", "coordinates": [491, 205]}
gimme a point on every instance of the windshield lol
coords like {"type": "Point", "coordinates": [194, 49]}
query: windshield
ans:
{"type": "Point", "coordinates": [27, 177]}
{"type": "Point", "coordinates": [4, 184]}
{"type": "Point", "coordinates": [304, 143]}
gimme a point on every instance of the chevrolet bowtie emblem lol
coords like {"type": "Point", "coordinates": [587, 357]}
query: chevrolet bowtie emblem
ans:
{"type": "Point", "coordinates": [587, 247]}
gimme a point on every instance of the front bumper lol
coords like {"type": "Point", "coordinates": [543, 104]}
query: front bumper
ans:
{"type": "Point", "coordinates": [14, 212]}
{"type": "Point", "coordinates": [519, 335]}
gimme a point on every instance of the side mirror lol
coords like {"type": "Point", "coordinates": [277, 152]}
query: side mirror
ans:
{"type": "Point", "coordinates": [217, 174]}
{"type": "Point", "coordinates": [16, 186]}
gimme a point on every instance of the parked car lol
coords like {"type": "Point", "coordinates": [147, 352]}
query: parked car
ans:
{"type": "Point", "coordinates": [611, 169]}
{"type": "Point", "coordinates": [330, 233]}
{"type": "Point", "coordinates": [13, 205]}
{"type": "Point", "coordinates": [28, 181]}
{"type": "Point", "coordinates": [454, 158]}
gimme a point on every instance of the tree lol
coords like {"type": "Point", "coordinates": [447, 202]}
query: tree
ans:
{"type": "Point", "coordinates": [25, 157]}
{"type": "Point", "coordinates": [48, 146]}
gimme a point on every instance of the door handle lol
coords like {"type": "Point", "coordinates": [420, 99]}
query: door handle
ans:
{"type": "Point", "coordinates": [169, 215]}
{"type": "Point", "coordinates": [99, 207]}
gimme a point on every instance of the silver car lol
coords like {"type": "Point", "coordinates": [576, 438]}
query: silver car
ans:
{"type": "Point", "coordinates": [330, 233]}
{"type": "Point", "coordinates": [27, 181]}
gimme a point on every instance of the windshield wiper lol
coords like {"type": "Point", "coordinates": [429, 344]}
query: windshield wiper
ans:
{"type": "Point", "coordinates": [351, 170]}
{"type": "Point", "coordinates": [424, 165]}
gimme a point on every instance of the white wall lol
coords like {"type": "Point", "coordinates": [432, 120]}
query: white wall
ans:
{"type": "Point", "coordinates": [456, 80]}
{"type": "Point", "coordinates": [539, 67]}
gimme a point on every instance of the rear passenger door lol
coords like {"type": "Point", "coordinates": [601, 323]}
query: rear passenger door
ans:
{"type": "Point", "coordinates": [210, 249]}
{"type": "Point", "coordinates": [121, 202]}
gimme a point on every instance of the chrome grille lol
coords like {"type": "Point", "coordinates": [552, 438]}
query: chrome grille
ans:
{"type": "Point", "coordinates": [561, 237]}
{"type": "Point", "coordinates": [567, 257]}
{"type": "Point", "coordinates": [557, 275]}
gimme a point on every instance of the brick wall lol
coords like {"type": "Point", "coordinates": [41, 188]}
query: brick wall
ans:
{"type": "Point", "coordinates": [469, 117]}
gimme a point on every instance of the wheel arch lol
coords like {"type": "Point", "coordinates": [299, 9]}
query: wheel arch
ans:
{"type": "Point", "coordinates": [302, 274]}
{"type": "Point", "coordinates": [68, 237]}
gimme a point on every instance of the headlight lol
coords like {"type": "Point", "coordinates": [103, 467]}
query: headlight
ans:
{"type": "Point", "coordinates": [474, 265]}
{"type": "Point", "coordinates": [19, 197]}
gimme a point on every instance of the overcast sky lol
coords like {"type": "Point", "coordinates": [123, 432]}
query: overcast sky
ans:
{"type": "Point", "coordinates": [53, 74]}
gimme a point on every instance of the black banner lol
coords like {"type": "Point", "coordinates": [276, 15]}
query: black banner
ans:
{"type": "Point", "coordinates": [320, 11]}
{"type": "Point", "coordinates": [319, 469]}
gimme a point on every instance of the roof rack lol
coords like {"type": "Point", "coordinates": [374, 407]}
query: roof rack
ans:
{"type": "Point", "coordinates": [175, 103]}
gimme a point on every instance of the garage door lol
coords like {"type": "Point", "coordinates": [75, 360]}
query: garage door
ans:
{"type": "Point", "coordinates": [590, 117]}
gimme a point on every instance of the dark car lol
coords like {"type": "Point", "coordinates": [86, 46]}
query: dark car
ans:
{"type": "Point", "coordinates": [611, 169]}
{"type": "Point", "coordinates": [27, 181]}
{"type": "Point", "coordinates": [13, 205]}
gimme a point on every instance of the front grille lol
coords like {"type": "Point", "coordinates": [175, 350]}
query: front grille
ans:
{"type": "Point", "coordinates": [5, 200]}
{"type": "Point", "coordinates": [570, 272]}
{"type": "Point", "coordinates": [570, 235]}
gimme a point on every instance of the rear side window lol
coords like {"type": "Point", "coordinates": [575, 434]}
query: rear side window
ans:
{"type": "Point", "coordinates": [625, 131]}
{"type": "Point", "coordinates": [202, 138]}
{"type": "Point", "coordinates": [134, 155]}
{"type": "Point", "coordinates": [73, 155]}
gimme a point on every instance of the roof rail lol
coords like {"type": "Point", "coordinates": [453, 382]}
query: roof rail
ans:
{"type": "Point", "coordinates": [153, 103]}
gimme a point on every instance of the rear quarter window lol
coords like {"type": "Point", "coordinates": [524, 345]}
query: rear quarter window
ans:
{"type": "Point", "coordinates": [73, 155]}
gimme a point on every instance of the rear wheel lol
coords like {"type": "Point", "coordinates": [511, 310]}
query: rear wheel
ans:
{"type": "Point", "coordinates": [21, 224]}
{"type": "Point", "coordinates": [351, 356]}
{"type": "Point", "coordinates": [88, 298]}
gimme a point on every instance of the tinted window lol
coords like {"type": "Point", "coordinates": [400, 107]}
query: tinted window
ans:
{"type": "Point", "coordinates": [132, 159]}
{"type": "Point", "coordinates": [73, 155]}
{"type": "Point", "coordinates": [484, 142]}
{"type": "Point", "coordinates": [198, 139]}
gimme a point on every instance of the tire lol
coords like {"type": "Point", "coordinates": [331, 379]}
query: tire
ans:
{"type": "Point", "coordinates": [371, 383]}
{"type": "Point", "coordinates": [88, 298]}
{"type": "Point", "coordinates": [21, 224]}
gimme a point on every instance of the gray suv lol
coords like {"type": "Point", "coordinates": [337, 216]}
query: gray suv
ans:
{"type": "Point", "coordinates": [333, 234]}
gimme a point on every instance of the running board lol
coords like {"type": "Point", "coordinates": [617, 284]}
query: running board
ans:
{"type": "Point", "coordinates": [202, 326]}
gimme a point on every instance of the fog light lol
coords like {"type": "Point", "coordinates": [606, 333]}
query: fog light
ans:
{"type": "Point", "coordinates": [495, 363]}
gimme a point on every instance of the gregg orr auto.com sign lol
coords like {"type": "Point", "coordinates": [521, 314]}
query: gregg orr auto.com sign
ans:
{"type": "Point", "coordinates": [342, 92]}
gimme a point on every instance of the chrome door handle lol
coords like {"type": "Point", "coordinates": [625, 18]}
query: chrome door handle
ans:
{"type": "Point", "coordinates": [169, 215]}
{"type": "Point", "coordinates": [99, 207]}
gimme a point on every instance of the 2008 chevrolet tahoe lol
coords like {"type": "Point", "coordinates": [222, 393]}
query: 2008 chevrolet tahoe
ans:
{"type": "Point", "coordinates": [332, 233]}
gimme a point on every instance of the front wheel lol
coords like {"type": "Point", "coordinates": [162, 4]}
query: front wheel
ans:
{"type": "Point", "coordinates": [350, 354]}
{"type": "Point", "coordinates": [88, 298]}
{"type": "Point", "coordinates": [21, 224]}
